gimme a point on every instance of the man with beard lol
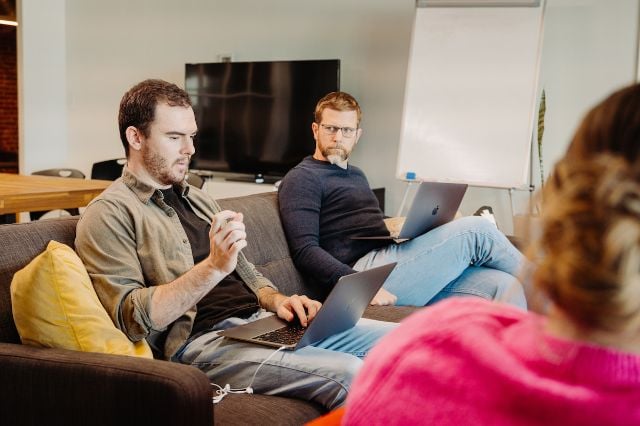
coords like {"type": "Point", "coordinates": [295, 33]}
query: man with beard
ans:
{"type": "Point", "coordinates": [166, 263]}
{"type": "Point", "coordinates": [324, 201]}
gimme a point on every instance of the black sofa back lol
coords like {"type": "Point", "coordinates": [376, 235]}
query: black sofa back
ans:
{"type": "Point", "coordinates": [19, 244]}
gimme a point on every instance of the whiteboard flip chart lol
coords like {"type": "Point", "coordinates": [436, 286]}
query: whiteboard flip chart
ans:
{"type": "Point", "coordinates": [471, 94]}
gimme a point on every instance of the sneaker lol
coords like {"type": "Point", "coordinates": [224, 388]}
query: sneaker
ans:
{"type": "Point", "coordinates": [487, 213]}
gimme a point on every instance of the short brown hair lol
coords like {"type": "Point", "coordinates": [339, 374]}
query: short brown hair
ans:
{"type": "Point", "coordinates": [589, 251]}
{"type": "Point", "coordinates": [339, 101]}
{"type": "Point", "coordinates": [138, 105]}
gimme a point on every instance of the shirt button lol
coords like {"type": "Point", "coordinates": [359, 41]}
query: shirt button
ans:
{"type": "Point", "coordinates": [185, 241]}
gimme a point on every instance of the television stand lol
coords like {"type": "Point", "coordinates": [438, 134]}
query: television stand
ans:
{"type": "Point", "coordinates": [258, 178]}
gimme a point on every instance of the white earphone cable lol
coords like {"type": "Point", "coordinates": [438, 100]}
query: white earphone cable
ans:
{"type": "Point", "coordinates": [221, 392]}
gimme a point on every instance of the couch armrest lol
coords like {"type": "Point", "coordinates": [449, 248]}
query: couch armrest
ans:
{"type": "Point", "coordinates": [56, 386]}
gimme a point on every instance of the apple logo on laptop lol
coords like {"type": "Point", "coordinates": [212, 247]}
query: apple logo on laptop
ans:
{"type": "Point", "coordinates": [435, 210]}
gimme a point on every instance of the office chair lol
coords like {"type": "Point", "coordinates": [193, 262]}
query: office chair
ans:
{"type": "Point", "coordinates": [108, 169]}
{"type": "Point", "coordinates": [67, 173]}
{"type": "Point", "coordinates": [195, 180]}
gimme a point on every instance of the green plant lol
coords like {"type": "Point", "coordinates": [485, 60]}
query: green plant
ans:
{"type": "Point", "coordinates": [541, 111]}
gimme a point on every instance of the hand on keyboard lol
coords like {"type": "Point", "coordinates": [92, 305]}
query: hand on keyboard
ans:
{"type": "Point", "coordinates": [298, 307]}
{"type": "Point", "coordinates": [289, 335]}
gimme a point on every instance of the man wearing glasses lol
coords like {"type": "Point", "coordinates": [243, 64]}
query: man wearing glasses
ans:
{"type": "Point", "coordinates": [324, 201]}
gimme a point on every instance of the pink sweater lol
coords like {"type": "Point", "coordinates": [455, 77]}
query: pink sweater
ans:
{"type": "Point", "coordinates": [472, 362]}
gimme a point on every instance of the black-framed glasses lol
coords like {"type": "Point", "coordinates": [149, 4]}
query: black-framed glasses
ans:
{"type": "Point", "coordinates": [347, 132]}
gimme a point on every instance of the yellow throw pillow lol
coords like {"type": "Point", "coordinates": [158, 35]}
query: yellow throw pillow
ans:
{"type": "Point", "coordinates": [54, 305]}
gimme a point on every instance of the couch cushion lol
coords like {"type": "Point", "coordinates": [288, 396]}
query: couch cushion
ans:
{"type": "Point", "coordinates": [267, 246]}
{"type": "Point", "coordinates": [265, 409]}
{"type": "Point", "coordinates": [54, 305]}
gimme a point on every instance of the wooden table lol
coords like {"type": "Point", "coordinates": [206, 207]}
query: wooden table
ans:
{"type": "Point", "coordinates": [24, 193]}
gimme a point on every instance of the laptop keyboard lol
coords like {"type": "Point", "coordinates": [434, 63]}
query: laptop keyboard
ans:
{"type": "Point", "coordinates": [288, 335]}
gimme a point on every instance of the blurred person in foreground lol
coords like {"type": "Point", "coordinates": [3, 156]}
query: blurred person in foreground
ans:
{"type": "Point", "coordinates": [474, 362]}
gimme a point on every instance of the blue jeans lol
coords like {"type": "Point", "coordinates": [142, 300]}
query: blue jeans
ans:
{"type": "Point", "coordinates": [468, 256]}
{"type": "Point", "coordinates": [321, 373]}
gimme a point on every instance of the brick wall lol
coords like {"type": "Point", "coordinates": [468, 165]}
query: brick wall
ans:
{"type": "Point", "coordinates": [8, 98]}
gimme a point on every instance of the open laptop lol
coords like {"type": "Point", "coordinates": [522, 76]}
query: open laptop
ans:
{"type": "Point", "coordinates": [341, 310]}
{"type": "Point", "coordinates": [435, 204]}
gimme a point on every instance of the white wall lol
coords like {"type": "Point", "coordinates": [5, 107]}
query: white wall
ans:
{"type": "Point", "coordinates": [590, 48]}
{"type": "Point", "coordinates": [42, 85]}
{"type": "Point", "coordinates": [112, 45]}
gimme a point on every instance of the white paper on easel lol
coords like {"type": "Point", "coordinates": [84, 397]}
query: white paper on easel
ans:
{"type": "Point", "coordinates": [471, 93]}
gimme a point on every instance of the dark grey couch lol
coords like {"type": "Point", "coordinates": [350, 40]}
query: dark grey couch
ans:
{"type": "Point", "coordinates": [55, 386]}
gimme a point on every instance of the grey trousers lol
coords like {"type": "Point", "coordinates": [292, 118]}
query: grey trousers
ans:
{"type": "Point", "coordinates": [321, 373]}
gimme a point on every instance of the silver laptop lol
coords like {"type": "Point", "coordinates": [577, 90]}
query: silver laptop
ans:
{"type": "Point", "coordinates": [435, 204]}
{"type": "Point", "coordinates": [342, 310]}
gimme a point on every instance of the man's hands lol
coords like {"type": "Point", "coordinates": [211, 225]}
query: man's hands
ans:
{"type": "Point", "coordinates": [383, 297]}
{"type": "Point", "coordinates": [226, 237]}
{"type": "Point", "coordinates": [289, 308]}
{"type": "Point", "coordinates": [298, 306]}
{"type": "Point", "coordinates": [394, 224]}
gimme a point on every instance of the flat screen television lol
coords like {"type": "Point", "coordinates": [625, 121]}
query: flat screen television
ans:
{"type": "Point", "coordinates": [254, 118]}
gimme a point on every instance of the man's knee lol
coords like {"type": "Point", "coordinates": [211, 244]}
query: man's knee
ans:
{"type": "Point", "coordinates": [476, 224]}
{"type": "Point", "coordinates": [511, 292]}
{"type": "Point", "coordinates": [501, 287]}
{"type": "Point", "coordinates": [335, 390]}
{"type": "Point", "coordinates": [488, 283]}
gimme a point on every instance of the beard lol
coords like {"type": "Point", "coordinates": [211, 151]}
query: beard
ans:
{"type": "Point", "coordinates": [338, 152]}
{"type": "Point", "coordinates": [158, 168]}
{"type": "Point", "coordinates": [337, 160]}
{"type": "Point", "coordinates": [337, 155]}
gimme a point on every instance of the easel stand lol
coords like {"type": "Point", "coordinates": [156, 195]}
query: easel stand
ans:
{"type": "Point", "coordinates": [405, 196]}
{"type": "Point", "coordinates": [531, 189]}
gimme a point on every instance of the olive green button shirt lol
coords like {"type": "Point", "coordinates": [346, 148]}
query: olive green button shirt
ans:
{"type": "Point", "coordinates": [131, 241]}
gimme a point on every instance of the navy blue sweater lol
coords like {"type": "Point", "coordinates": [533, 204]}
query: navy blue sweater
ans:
{"type": "Point", "coordinates": [322, 206]}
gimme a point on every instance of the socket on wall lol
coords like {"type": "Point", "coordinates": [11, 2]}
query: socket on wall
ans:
{"type": "Point", "coordinates": [225, 57]}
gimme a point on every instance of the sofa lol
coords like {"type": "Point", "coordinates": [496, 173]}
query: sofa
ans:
{"type": "Point", "coordinates": [58, 386]}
